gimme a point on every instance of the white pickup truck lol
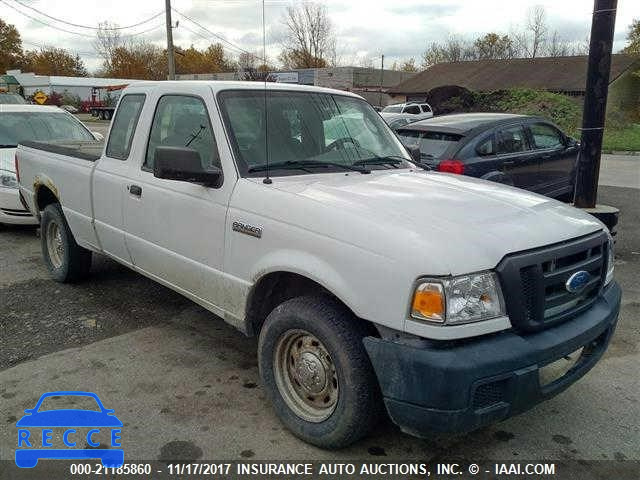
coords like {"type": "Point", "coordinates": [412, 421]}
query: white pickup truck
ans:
{"type": "Point", "coordinates": [375, 286]}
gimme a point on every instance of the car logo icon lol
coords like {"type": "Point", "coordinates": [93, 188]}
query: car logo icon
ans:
{"type": "Point", "coordinates": [578, 281]}
{"type": "Point", "coordinates": [27, 454]}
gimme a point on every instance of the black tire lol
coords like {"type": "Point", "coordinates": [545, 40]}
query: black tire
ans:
{"type": "Point", "coordinates": [107, 115]}
{"type": "Point", "coordinates": [74, 261]}
{"type": "Point", "coordinates": [359, 404]}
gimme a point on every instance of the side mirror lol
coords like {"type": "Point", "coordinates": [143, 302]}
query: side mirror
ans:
{"type": "Point", "coordinates": [572, 142]}
{"type": "Point", "coordinates": [414, 151]}
{"type": "Point", "coordinates": [184, 164]}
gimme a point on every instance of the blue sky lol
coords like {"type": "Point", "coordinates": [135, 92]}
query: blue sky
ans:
{"type": "Point", "coordinates": [365, 29]}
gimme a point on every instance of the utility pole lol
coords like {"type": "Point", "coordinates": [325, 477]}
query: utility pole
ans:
{"type": "Point", "coordinates": [595, 101]}
{"type": "Point", "coordinates": [381, 80]}
{"type": "Point", "coordinates": [170, 57]}
{"type": "Point", "coordinates": [595, 106]}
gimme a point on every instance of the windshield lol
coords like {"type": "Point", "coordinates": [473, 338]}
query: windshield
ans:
{"type": "Point", "coordinates": [16, 127]}
{"type": "Point", "coordinates": [431, 144]}
{"type": "Point", "coordinates": [12, 99]}
{"type": "Point", "coordinates": [393, 109]}
{"type": "Point", "coordinates": [306, 131]}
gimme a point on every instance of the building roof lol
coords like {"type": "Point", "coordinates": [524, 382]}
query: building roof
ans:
{"type": "Point", "coordinates": [567, 74]}
{"type": "Point", "coordinates": [27, 79]}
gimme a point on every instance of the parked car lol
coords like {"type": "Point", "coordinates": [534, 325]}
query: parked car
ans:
{"type": "Point", "coordinates": [423, 110]}
{"type": "Point", "coordinates": [296, 215]}
{"type": "Point", "coordinates": [11, 99]}
{"type": "Point", "coordinates": [519, 150]}
{"type": "Point", "coordinates": [69, 108]}
{"type": "Point", "coordinates": [30, 122]}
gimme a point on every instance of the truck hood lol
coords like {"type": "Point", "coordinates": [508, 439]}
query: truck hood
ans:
{"type": "Point", "coordinates": [7, 159]}
{"type": "Point", "coordinates": [472, 221]}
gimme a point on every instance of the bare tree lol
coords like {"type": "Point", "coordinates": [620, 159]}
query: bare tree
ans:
{"type": "Point", "coordinates": [107, 40]}
{"type": "Point", "coordinates": [531, 42]}
{"type": "Point", "coordinates": [556, 47]}
{"type": "Point", "coordinates": [454, 49]}
{"type": "Point", "coordinates": [310, 41]}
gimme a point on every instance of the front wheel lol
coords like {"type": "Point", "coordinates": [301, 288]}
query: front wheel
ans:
{"type": "Point", "coordinates": [317, 372]}
{"type": "Point", "coordinates": [65, 259]}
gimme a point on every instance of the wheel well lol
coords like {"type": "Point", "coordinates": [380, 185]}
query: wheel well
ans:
{"type": "Point", "coordinates": [276, 288]}
{"type": "Point", "coordinates": [45, 197]}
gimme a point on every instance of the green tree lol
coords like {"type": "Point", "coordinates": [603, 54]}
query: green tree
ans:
{"type": "Point", "coordinates": [140, 60]}
{"type": "Point", "coordinates": [633, 37]}
{"type": "Point", "coordinates": [493, 46]}
{"type": "Point", "coordinates": [11, 54]}
{"type": "Point", "coordinates": [54, 61]}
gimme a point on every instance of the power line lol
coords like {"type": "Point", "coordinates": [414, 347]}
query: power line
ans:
{"type": "Point", "coordinates": [204, 37]}
{"type": "Point", "coordinates": [85, 26]}
{"type": "Point", "coordinates": [55, 27]}
{"type": "Point", "coordinates": [44, 23]}
{"type": "Point", "coordinates": [218, 36]}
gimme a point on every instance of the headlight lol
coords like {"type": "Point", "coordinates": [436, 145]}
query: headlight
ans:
{"type": "Point", "coordinates": [455, 300]}
{"type": "Point", "coordinates": [610, 261]}
{"type": "Point", "coordinates": [8, 179]}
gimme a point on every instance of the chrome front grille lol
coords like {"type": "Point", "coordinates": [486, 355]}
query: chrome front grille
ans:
{"type": "Point", "coordinates": [534, 281]}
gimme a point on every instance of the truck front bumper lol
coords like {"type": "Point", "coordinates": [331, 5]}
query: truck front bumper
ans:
{"type": "Point", "coordinates": [461, 386]}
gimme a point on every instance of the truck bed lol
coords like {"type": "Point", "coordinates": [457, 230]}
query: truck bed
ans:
{"type": "Point", "coordinates": [84, 150]}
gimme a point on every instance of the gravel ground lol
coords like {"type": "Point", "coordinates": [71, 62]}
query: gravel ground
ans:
{"type": "Point", "coordinates": [185, 383]}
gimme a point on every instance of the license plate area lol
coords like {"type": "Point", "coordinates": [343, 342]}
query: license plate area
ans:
{"type": "Point", "coordinates": [554, 371]}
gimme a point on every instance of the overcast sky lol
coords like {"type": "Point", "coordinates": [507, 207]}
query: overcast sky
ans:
{"type": "Point", "coordinates": [364, 28]}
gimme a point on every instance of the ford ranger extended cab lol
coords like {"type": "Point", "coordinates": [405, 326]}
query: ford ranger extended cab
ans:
{"type": "Point", "coordinates": [375, 287]}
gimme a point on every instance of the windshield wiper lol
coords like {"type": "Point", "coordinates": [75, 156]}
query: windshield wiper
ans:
{"type": "Point", "coordinates": [393, 160]}
{"type": "Point", "coordinates": [304, 165]}
{"type": "Point", "coordinates": [7, 146]}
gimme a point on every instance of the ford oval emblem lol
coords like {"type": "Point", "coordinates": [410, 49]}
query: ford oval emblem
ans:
{"type": "Point", "coordinates": [577, 281]}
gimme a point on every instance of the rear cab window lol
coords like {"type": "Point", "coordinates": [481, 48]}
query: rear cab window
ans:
{"type": "Point", "coordinates": [124, 126]}
{"type": "Point", "coordinates": [182, 121]}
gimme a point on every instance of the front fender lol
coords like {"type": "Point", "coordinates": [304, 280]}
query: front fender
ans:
{"type": "Point", "coordinates": [311, 267]}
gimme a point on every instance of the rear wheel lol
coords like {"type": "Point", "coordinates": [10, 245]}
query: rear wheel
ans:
{"type": "Point", "coordinates": [65, 259]}
{"type": "Point", "coordinates": [317, 372]}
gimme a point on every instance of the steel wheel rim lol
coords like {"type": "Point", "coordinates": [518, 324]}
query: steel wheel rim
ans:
{"type": "Point", "coordinates": [306, 375]}
{"type": "Point", "coordinates": [55, 247]}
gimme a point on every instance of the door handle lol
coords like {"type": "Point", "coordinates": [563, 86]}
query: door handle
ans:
{"type": "Point", "coordinates": [135, 190]}
{"type": "Point", "coordinates": [509, 163]}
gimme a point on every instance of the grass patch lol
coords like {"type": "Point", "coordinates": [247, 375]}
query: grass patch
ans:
{"type": "Point", "coordinates": [566, 112]}
{"type": "Point", "coordinates": [623, 139]}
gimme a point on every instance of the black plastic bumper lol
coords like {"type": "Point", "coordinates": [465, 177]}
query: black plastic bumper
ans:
{"type": "Point", "coordinates": [461, 387]}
